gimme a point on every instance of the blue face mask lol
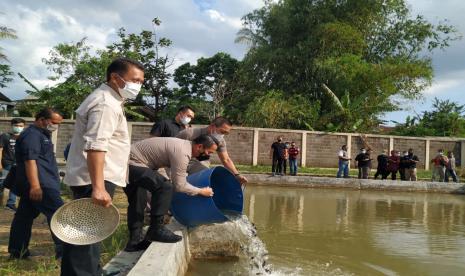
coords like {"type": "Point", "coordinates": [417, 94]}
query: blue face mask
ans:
{"type": "Point", "coordinates": [17, 130]}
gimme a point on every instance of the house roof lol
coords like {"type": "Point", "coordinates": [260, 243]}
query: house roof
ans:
{"type": "Point", "coordinates": [4, 98]}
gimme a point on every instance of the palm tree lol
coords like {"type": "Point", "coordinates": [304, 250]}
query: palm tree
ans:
{"type": "Point", "coordinates": [6, 33]}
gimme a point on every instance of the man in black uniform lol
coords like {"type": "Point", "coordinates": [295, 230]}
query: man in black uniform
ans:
{"type": "Point", "coordinates": [7, 155]}
{"type": "Point", "coordinates": [170, 127]}
{"type": "Point", "coordinates": [37, 182]}
{"type": "Point", "coordinates": [277, 154]}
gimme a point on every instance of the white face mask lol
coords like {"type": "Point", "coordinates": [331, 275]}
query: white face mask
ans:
{"type": "Point", "coordinates": [185, 120]}
{"type": "Point", "coordinates": [217, 135]}
{"type": "Point", "coordinates": [130, 89]}
{"type": "Point", "coordinates": [364, 151]}
{"type": "Point", "coordinates": [52, 127]}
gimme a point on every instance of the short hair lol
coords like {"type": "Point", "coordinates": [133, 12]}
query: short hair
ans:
{"type": "Point", "coordinates": [220, 120]}
{"type": "Point", "coordinates": [15, 121]}
{"type": "Point", "coordinates": [121, 66]}
{"type": "Point", "coordinates": [343, 146]}
{"type": "Point", "coordinates": [184, 108]}
{"type": "Point", "coordinates": [47, 113]}
{"type": "Point", "coordinates": [206, 141]}
{"type": "Point", "coordinates": [410, 149]}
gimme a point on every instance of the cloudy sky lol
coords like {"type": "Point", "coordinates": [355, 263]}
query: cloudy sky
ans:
{"type": "Point", "coordinates": [196, 27]}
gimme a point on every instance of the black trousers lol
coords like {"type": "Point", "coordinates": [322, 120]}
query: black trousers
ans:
{"type": "Point", "coordinates": [383, 172]}
{"type": "Point", "coordinates": [28, 210]}
{"type": "Point", "coordinates": [402, 174]}
{"type": "Point", "coordinates": [142, 180]}
{"type": "Point", "coordinates": [83, 260]}
{"type": "Point", "coordinates": [277, 165]}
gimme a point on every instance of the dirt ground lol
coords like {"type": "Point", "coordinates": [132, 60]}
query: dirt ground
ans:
{"type": "Point", "coordinates": [41, 246]}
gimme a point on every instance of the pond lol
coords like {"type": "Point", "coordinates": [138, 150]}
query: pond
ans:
{"type": "Point", "coordinates": [347, 232]}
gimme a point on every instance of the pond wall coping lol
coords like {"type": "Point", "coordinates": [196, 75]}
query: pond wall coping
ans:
{"type": "Point", "coordinates": [357, 184]}
{"type": "Point", "coordinates": [159, 259]}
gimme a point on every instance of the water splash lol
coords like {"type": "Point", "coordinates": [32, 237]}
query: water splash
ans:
{"type": "Point", "coordinates": [253, 248]}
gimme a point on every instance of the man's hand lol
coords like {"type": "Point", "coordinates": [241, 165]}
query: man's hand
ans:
{"type": "Point", "coordinates": [101, 197]}
{"type": "Point", "coordinates": [208, 192]}
{"type": "Point", "coordinates": [35, 194]}
{"type": "Point", "coordinates": [242, 179]}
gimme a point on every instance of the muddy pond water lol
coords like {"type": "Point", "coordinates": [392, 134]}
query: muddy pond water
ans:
{"type": "Point", "coordinates": [347, 232]}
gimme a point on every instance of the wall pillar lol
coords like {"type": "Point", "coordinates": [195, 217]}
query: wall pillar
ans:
{"type": "Point", "coordinates": [427, 145]}
{"type": "Point", "coordinates": [255, 147]}
{"type": "Point", "coordinates": [303, 150]}
{"type": "Point", "coordinates": [462, 154]}
{"type": "Point", "coordinates": [391, 145]}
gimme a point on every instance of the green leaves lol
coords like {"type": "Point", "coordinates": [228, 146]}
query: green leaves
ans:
{"type": "Point", "coordinates": [373, 51]}
{"type": "Point", "coordinates": [445, 119]}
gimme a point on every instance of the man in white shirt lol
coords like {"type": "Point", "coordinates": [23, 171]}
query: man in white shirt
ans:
{"type": "Point", "coordinates": [99, 153]}
{"type": "Point", "coordinates": [344, 159]}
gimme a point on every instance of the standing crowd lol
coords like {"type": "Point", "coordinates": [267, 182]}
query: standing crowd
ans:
{"type": "Point", "coordinates": [403, 164]}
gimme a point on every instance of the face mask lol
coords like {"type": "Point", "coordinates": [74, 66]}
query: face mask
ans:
{"type": "Point", "coordinates": [52, 127]}
{"type": "Point", "coordinates": [203, 156]}
{"type": "Point", "coordinates": [217, 135]}
{"type": "Point", "coordinates": [17, 130]}
{"type": "Point", "coordinates": [364, 151]}
{"type": "Point", "coordinates": [130, 89]}
{"type": "Point", "coordinates": [185, 120]}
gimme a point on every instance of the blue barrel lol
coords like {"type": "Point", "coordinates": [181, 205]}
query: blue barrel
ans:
{"type": "Point", "coordinates": [192, 211]}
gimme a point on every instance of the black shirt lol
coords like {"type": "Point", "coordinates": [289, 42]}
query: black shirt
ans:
{"type": "Point", "coordinates": [383, 160]}
{"type": "Point", "coordinates": [35, 143]}
{"type": "Point", "coordinates": [166, 128]}
{"type": "Point", "coordinates": [278, 149]}
{"type": "Point", "coordinates": [410, 161]}
{"type": "Point", "coordinates": [363, 160]}
{"type": "Point", "coordinates": [7, 143]}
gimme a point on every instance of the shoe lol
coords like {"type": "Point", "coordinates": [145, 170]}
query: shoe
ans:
{"type": "Point", "coordinates": [158, 232]}
{"type": "Point", "coordinates": [142, 245]}
{"type": "Point", "coordinates": [11, 207]}
{"type": "Point", "coordinates": [162, 234]}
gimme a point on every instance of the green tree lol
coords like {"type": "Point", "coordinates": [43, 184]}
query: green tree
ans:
{"type": "Point", "coordinates": [5, 69]}
{"type": "Point", "coordinates": [211, 80]}
{"type": "Point", "coordinates": [274, 110]}
{"type": "Point", "coordinates": [368, 51]}
{"type": "Point", "coordinates": [78, 73]}
{"type": "Point", "coordinates": [146, 48]}
{"type": "Point", "coordinates": [446, 118]}
{"type": "Point", "coordinates": [79, 70]}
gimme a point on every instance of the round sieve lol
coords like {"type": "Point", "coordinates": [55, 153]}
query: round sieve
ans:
{"type": "Point", "coordinates": [82, 222]}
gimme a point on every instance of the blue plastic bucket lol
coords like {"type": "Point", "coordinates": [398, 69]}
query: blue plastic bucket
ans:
{"type": "Point", "coordinates": [196, 210]}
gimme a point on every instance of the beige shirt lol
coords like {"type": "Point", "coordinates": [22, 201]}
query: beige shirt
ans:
{"type": "Point", "coordinates": [165, 152]}
{"type": "Point", "coordinates": [192, 133]}
{"type": "Point", "coordinates": [101, 126]}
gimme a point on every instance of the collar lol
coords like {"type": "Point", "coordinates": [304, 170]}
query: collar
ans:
{"type": "Point", "coordinates": [44, 131]}
{"type": "Point", "coordinates": [113, 93]}
{"type": "Point", "coordinates": [174, 121]}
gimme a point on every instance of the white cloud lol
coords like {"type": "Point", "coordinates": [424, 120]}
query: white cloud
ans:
{"type": "Point", "coordinates": [216, 16]}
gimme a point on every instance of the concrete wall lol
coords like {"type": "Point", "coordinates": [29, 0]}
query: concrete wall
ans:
{"type": "Point", "coordinates": [251, 146]}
